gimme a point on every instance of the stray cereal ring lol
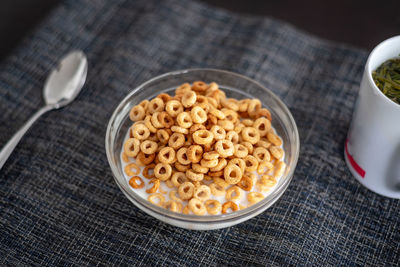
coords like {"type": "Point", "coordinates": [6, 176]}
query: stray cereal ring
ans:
{"type": "Point", "coordinates": [152, 199]}
{"type": "Point", "coordinates": [163, 171]}
{"type": "Point", "coordinates": [232, 174]}
{"type": "Point", "coordinates": [176, 140]}
{"type": "Point", "coordinates": [137, 113]}
{"type": "Point", "coordinates": [198, 115]}
{"type": "Point", "coordinates": [197, 207]}
{"type": "Point", "coordinates": [203, 137]}
{"type": "Point", "coordinates": [178, 178]}
{"type": "Point", "coordinates": [202, 192]}
{"type": "Point", "coordinates": [184, 120]}
{"type": "Point", "coordinates": [154, 188]}
{"type": "Point", "coordinates": [194, 176]}
{"type": "Point", "coordinates": [229, 204]}
{"type": "Point", "coordinates": [129, 167]}
{"type": "Point", "coordinates": [125, 157]}
{"type": "Point", "coordinates": [167, 155]}
{"type": "Point", "coordinates": [251, 163]}
{"type": "Point", "coordinates": [195, 153]}
{"type": "Point", "coordinates": [171, 205]}
{"type": "Point", "coordinates": [132, 147]}
{"type": "Point", "coordinates": [186, 190]}
{"type": "Point", "coordinates": [140, 132]}
{"type": "Point", "coordinates": [148, 147]}
{"type": "Point", "coordinates": [146, 170]}
{"type": "Point", "coordinates": [233, 193]}
{"type": "Point", "coordinates": [225, 148]}
{"type": "Point", "coordinates": [173, 196]}
{"type": "Point", "coordinates": [213, 206]}
{"type": "Point", "coordinates": [134, 182]}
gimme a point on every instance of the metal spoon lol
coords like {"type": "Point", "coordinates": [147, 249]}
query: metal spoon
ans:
{"type": "Point", "coordinates": [61, 87]}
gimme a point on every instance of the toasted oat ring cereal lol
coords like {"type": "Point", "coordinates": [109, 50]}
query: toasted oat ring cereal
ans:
{"type": "Point", "coordinates": [184, 120]}
{"type": "Point", "coordinates": [216, 174]}
{"type": "Point", "coordinates": [229, 205]}
{"type": "Point", "coordinates": [233, 193]}
{"type": "Point", "coordinates": [136, 182]}
{"type": "Point", "coordinates": [140, 132]}
{"type": "Point", "coordinates": [195, 153]}
{"type": "Point", "coordinates": [156, 120]}
{"type": "Point", "coordinates": [264, 164]}
{"type": "Point", "coordinates": [179, 129]}
{"type": "Point", "coordinates": [125, 157]}
{"type": "Point", "coordinates": [251, 163]}
{"type": "Point", "coordinates": [280, 168]}
{"type": "Point", "coordinates": [225, 148]}
{"type": "Point", "coordinates": [232, 136]}
{"type": "Point", "coordinates": [144, 104]}
{"type": "Point", "coordinates": [178, 178]}
{"type": "Point", "coordinates": [211, 155]}
{"type": "Point", "coordinates": [174, 107]}
{"type": "Point", "coordinates": [163, 171]}
{"type": "Point", "coordinates": [146, 169]}
{"type": "Point", "coordinates": [213, 206]}
{"type": "Point", "coordinates": [176, 140]}
{"type": "Point", "coordinates": [148, 147]}
{"type": "Point", "coordinates": [246, 183]}
{"type": "Point", "coordinates": [218, 132]}
{"type": "Point", "coordinates": [199, 86]}
{"type": "Point", "coordinates": [173, 196]}
{"type": "Point", "coordinates": [202, 102]}
{"type": "Point", "coordinates": [171, 205]}
{"type": "Point", "coordinates": [167, 155]}
{"type": "Point", "coordinates": [163, 136]}
{"type": "Point", "coordinates": [154, 188]}
{"type": "Point", "coordinates": [203, 137]}
{"type": "Point", "coordinates": [209, 163]}
{"type": "Point", "coordinates": [250, 134]}
{"type": "Point", "coordinates": [149, 125]}
{"type": "Point", "coordinates": [199, 168]}
{"type": "Point", "coordinates": [166, 120]}
{"type": "Point", "coordinates": [263, 125]}
{"type": "Point", "coordinates": [221, 164]}
{"type": "Point", "coordinates": [182, 156]}
{"type": "Point", "coordinates": [152, 199]}
{"type": "Point", "coordinates": [137, 113]}
{"type": "Point", "coordinates": [129, 167]}
{"type": "Point", "coordinates": [180, 167]}
{"type": "Point", "coordinates": [227, 125]}
{"type": "Point", "coordinates": [194, 176]}
{"type": "Point", "coordinates": [146, 158]}
{"type": "Point", "coordinates": [249, 147]}
{"type": "Point", "coordinates": [261, 154]}
{"type": "Point", "coordinates": [164, 97]}
{"type": "Point", "coordinates": [238, 162]}
{"type": "Point", "coordinates": [264, 113]}
{"type": "Point", "coordinates": [197, 207]}
{"type": "Point", "coordinates": [156, 105]}
{"type": "Point", "coordinates": [254, 107]}
{"type": "Point", "coordinates": [274, 139]}
{"type": "Point", "coordinates": [217, 190]}
{"type": "Point", "coordinates": [186, 190]}
{"type": "Point", "coordinates": [202, 192]}
{"type": "Point", "coordinates": [277, 152]}
{"type": "Point", "coordinates": [240, 151]}
{"type": "Point", "coordinates": [132, 147]}
{"type": "Point", "coordinates": [217, 113]}
{"type": "Point", "coordinates": [183, 88]}
{"type": "Point", "coordinates": [254, 197]}
{"type": "Point", "coordinates": [232, 174]}
{"type": "Point", "coordinates": [188, 99]}
{"type": "Point", "coordinates": [198, 114]}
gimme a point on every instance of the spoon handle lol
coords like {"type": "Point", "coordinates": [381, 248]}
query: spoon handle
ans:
{"type": "Point", "coordinates": [13, 142]}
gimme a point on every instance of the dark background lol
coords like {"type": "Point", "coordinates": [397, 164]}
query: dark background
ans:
{"type": "Point", "coordinates": [361, 23]}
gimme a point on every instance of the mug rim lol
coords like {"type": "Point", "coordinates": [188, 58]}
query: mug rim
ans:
{"type": "Point", "coordinates": [368, 69]}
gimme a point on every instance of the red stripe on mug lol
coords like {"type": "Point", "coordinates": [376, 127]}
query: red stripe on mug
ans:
{"type": "Point", "coordinates": [353, 163]}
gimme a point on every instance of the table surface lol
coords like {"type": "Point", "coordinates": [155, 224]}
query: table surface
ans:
{"type": "Point", "coordinates": [360, 23]}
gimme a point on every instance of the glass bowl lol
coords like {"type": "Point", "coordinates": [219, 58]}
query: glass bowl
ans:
{"type": "Point", "coordinates": [236, 86]}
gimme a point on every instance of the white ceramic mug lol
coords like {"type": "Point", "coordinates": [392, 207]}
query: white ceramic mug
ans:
{"type": "Point", "coordinates": [372, 148]}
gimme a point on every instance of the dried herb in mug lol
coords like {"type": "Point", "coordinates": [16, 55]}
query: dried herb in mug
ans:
{"type": "Point", "coordinates": [387, 78]}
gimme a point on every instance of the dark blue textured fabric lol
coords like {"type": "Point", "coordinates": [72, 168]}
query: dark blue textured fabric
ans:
{"type": "Point", "coordinates": [59, 204]}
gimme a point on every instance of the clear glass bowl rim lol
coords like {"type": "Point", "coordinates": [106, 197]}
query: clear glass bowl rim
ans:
{"type": "Point", "coordinates": [189, 218]}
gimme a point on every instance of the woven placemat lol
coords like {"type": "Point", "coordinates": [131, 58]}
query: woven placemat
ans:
{"type": "Point", "coordinates": [59, 204]}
